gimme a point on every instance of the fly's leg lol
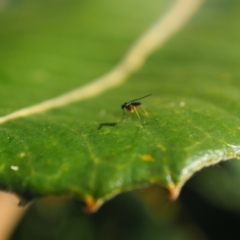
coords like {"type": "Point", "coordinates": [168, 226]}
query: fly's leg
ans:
{"type": "Point", "coordinates": [135, 109]}
{"type": "Point", "coordinates": [144, 111]}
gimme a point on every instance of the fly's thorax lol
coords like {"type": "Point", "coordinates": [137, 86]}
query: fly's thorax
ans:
{"type": "Point", "coordinates": [130, 106]}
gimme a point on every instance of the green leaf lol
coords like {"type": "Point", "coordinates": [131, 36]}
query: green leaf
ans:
{"type": "Point", "coordinates": [49, 48]}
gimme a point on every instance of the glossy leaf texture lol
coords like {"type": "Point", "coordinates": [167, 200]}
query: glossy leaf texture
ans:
{"type": "Point", "coordinates": [50, 48]}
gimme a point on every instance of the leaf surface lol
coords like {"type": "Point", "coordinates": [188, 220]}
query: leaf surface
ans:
{"type": "Point", "coordinates": [193, 117]}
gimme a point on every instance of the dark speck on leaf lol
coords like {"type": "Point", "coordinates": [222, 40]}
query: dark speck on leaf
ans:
{"type": "Point", "coordinates": [106, 125]}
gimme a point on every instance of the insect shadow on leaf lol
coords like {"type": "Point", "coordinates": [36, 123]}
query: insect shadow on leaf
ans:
{"type": "Point", "coordinates": [130, 106]}
{"type": "Point", "coordinates": [107, 124]}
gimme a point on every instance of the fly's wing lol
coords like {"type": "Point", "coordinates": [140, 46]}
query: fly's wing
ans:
{"type": "Point", "coordinates": [139, 98]}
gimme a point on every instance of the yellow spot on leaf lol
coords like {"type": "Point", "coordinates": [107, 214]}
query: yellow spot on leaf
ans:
{"type": "Point", "coordinates": [22, 154]}
{"type": "Point", "coordinates": [147, 157]}
{"type": "Point", "coordinates": [161, 147]}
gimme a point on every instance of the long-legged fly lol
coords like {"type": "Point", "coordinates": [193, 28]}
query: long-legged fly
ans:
{"type": "Point", "coordinates": [132, 105]}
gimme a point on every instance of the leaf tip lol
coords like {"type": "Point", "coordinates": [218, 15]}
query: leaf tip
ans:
{"type": "Point", "coordinates": [174, 191]}
{"type": "Point", "coordinates": [92, 205]}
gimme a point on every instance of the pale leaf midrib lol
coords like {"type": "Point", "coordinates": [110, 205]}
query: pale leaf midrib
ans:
{"type": "Point", "coordinates": [166, 26]}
